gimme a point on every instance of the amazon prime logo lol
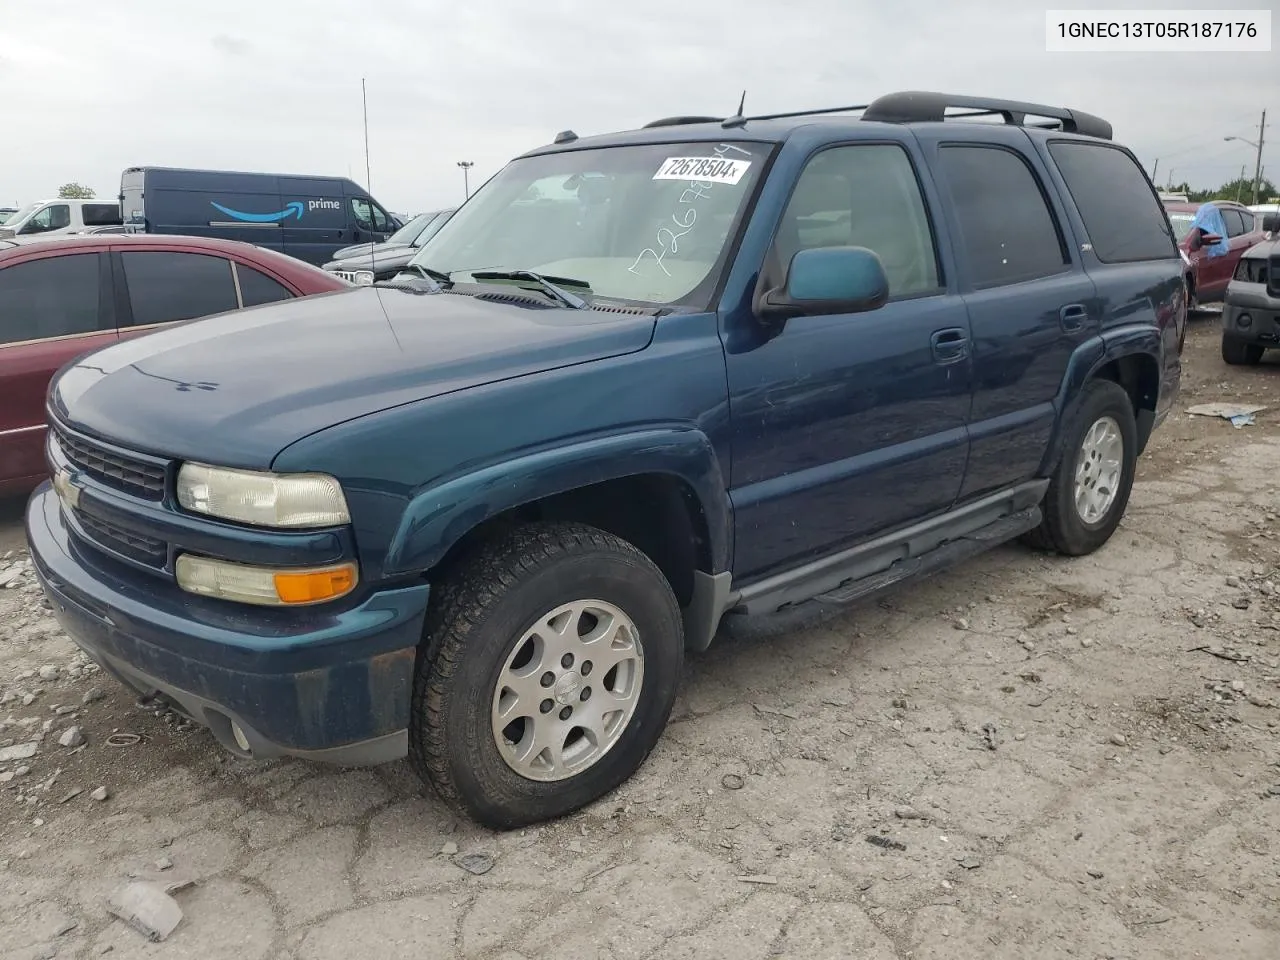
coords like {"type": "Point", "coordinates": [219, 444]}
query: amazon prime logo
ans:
{"type": "Point", "coordinates": [295, 209]}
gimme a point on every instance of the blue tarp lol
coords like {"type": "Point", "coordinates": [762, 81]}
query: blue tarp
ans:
{"type": "Point", "coordinates": [1209, 219]}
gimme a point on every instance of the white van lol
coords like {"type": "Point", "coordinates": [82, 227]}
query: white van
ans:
{"type": "Point", "coordinates": [60, 216]}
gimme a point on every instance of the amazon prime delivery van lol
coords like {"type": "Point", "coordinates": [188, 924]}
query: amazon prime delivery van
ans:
{"type": "Point", "coordinates": [304, 217]}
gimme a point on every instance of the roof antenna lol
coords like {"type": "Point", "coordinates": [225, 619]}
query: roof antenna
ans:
{"type": "Point", "coordinates": [738, 119]}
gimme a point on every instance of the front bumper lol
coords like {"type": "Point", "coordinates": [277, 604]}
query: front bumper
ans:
{"type": "Point", "coordinates": [328, 686]}
{"type": "Point", "coordinates": [1251, 315]}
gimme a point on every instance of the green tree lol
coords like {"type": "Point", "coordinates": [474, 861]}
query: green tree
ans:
{"type": "Point", "coordinates": [1240, 189]}
{"type": "Point", "coordinates": [75, 191]}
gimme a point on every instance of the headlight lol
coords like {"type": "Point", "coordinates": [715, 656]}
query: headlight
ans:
{"type": "Point", "coordinates": [265, 586]}
{"type": "Point", "coordinates": [364, 278]}
{"type": "Point", "coordinates": [262, 499]}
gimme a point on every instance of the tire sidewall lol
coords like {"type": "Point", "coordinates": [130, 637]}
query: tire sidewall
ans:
{"type": "Point", "coordinates": [476, 766]}
{"type": "Point", "coordinates": [1101, 399]}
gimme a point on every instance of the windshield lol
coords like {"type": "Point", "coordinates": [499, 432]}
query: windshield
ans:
{"type": "Point", "coordinates": [21, 214]}
{"type": "Point", "coordinates": [1181, 223]}
{"type": "Point", "coordinates": [411, 229]}
{"type": "Point", "coordinates": [431, 229]}
{"type": "Point", "coordinates": [644, 224]}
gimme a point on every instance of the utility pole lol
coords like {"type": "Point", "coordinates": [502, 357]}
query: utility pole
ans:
{"type": "Point", "coordinates": [1154, 167]}
{"type": "Point", "coordinates": [466, 166]}
{"type": "Point", "coordinates": [1240, 185]}
{"type": "Point", "coordinates": [1257, 167]}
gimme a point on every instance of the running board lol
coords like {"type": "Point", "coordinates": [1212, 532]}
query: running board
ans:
{"type": "Point", "coordinates": [802, 614]}
{"type": "Point", "coordinates": [893, 557]}
{"type": "Point", "coordinates": [944, 555]}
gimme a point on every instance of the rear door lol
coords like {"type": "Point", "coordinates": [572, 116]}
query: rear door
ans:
{"type": "Point", "coordinates": [55, 308]}
{"type": "Point", "coordinates": [1030, 302]}
{"type": "Point", "coordinates": [322, 222]}
{"type": "Point", "coordinates": [159, 287]}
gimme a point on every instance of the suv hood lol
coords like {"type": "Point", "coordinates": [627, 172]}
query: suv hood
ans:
{"type": "Point", "coordinates": [365, 249]}
{"type": "Point", "coordinates": [382, 261]}
{"type": "Point", "coordinates": [237, 388]}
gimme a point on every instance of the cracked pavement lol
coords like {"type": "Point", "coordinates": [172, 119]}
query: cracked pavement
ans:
{"type": "Point", "coordinates": [1065, 758]}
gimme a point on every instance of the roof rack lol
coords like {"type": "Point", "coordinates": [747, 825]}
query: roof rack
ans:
{"type": "Point", "coordinates": [681, 121]}
{"type": "Point", "coordinates": [918, 106]}
{"type": "Point", "coordinates": [915, 106]}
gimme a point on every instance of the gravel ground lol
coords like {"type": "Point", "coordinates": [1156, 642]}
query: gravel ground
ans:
{"type": "Point", "coordinates": [1023, 757]}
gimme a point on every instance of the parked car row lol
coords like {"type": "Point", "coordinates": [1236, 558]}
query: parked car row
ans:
{"type": "Point", "coordinates": [64, 297]}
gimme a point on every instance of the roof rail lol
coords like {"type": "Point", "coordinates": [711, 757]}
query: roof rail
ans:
{"type": "Point", "coordinates": [681, 121]}
{"type": "Point", "coordinates": [919, 106]}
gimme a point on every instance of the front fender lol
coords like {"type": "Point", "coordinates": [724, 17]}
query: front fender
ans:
{"type": "Point", "coordinates": [439, 516]}
{"type": "Point", "coordinates": [1087, 359]}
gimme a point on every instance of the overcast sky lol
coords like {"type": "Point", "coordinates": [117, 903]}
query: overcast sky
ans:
{"type": "Point", "coordinates": [89, 87]}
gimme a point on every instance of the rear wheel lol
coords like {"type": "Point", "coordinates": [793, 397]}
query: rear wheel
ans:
{"type": "Point", "coordinates": [548, 672]}
{"type": "Point", "coordinates": [1089, 490]}
{"type": "Point", "coordinates": [1240, 352]}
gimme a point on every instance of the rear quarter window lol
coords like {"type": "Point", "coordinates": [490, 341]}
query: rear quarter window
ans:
{"type": "Point", "coordinates": [100, 214]}
{"type": "Point", "coordinates": [1122, 214]}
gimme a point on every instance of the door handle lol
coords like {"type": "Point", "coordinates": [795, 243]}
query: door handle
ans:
{"type": "Point", "coordinates": [950, 345]}
{"type": "Point", "coordinates": [1073, 316]}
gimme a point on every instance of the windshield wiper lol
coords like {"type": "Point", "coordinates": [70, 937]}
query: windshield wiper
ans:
{"type": "Point", "coordinates": [436, 279]}
{"type": "Point", "coordinates": [547, 285]}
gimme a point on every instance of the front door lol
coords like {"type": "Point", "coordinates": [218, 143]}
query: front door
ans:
{"type": "Point", "coordinates": [847, 425]}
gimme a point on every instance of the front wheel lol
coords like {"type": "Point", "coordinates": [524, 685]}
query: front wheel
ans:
{"type": "Point", "coordinates": [1240, 352]}
{"type": "Point", "coordinates": [547, 674]}
{"type": "Point", "coordinates": [1090, 487]}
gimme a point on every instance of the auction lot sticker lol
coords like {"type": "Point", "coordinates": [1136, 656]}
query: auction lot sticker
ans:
{"type": "Point", "coordinates": [706, 169]}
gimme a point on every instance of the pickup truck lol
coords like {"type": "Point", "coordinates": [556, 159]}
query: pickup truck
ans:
{"type": "Point", "coordinates": [640, 388]}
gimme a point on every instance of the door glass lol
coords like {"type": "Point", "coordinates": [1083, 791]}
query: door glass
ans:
{"type": "Point", "coordinates": [1007, 232]}
{"type": "Point", "coordinates": [1123, 217]}
{"type": "Point", "coordinates": [381, 222]}
{"type": "Point", "coordinates": [1235, 225]}
{"type": "Point", "coordinates": [363, 212]}
{"type": "Point", "coordinates": [165, 286]}
{"type": "Point", "coordinates": [256, 287]}
{"type": "Point", "coordinates": [864, 196]}
{"type": "Point", "coordinates": [55, 217]}
{"type": "Point", "coordinates": [51, 297]}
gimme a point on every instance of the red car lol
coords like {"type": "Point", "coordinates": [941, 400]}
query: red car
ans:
{"type": "Point", "coordinates": [62, 297]}
{"type": "Point", "coordinates": [1207, 277]}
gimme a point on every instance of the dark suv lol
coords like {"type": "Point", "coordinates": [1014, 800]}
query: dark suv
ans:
{"type": "Point", "coordinates": [639, 387]}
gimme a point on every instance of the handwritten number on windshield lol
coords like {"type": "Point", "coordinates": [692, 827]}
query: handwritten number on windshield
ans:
{"type": "Point", "coordinates": [684, 217]}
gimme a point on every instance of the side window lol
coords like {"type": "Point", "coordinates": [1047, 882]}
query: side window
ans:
{"type": "Point", "coordinates": [165, 286]}
{"type": "Point", "coordinates": [864, 195]}
{"type": "Point", "coordinates": [1123, 217]}
{"type": "Point", "coordinates": [50, 218]}
{"type": "Point", "coordinates": [51, 297]}
{"type": "Point", "coordinates": [1007, 231]}
{"type": "Point", "coordinates": [1249, 222]}
{"type": "Point", "coordinates": [256, 287]}
{"type": "Point", "coordinates": [381, 222]}
{"type": "Point", "coordinates": [100, 214]}
{"type": "Point", "coordinates": [363, 212]}
{"type": "Point", "coordinates": [1235, 223]}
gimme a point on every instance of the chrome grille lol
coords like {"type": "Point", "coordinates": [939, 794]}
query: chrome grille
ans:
{"type": "Point", "coordinates": [129, 474]}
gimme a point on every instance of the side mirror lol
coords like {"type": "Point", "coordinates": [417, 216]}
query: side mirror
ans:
{"type": "Point", "coordinates": [827, 280]}
{"type": "Point", "coordinates": [1271, 223]}
{"type": "Point", "coordinates": [1209, 239]}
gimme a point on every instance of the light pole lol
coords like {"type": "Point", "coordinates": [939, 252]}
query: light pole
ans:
{"type": "Point", "coordinates": [1257, 166]}
{"type": "Point", "coordinates": [466, 166]}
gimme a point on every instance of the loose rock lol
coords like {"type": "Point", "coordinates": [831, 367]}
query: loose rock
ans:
{"type": "Point", "coordinates": [99, 794]}
{"type": "Point", "coordinates": [1118, 739]}
{"type": "Point", "coordinates": [731, 781]}
{"type": "Point", "coordinates": [48, 672]}
{"type": "Point", "coordinates": [908, 813]}
{"type": "Point", "coordinates": [71, 737]}
{"type": "Point", "coordinates": [450, 849]}
{"type": "Point", "coordinates": [92, 696]}
{"type": "Point", "coordinates": [19, 751]}
{"type": "Point", "coordinates": [476, 863]}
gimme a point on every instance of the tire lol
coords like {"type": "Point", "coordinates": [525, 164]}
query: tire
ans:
{"type": "Point", "coordinates": [1241, 353]}
{"type": "Point", "coordinates": [489, 602]}
{"type": "Point", "coordinates": [1064, 529]}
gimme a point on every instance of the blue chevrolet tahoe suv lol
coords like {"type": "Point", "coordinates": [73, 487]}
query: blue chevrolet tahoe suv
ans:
{"type": "Point", "coordinates": [641, 387]}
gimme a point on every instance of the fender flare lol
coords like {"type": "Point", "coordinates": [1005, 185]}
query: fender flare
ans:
{"type": "Point", "coordinates": [1087, 359]}
{"type": "Point", "coordinates": [438, 516]}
